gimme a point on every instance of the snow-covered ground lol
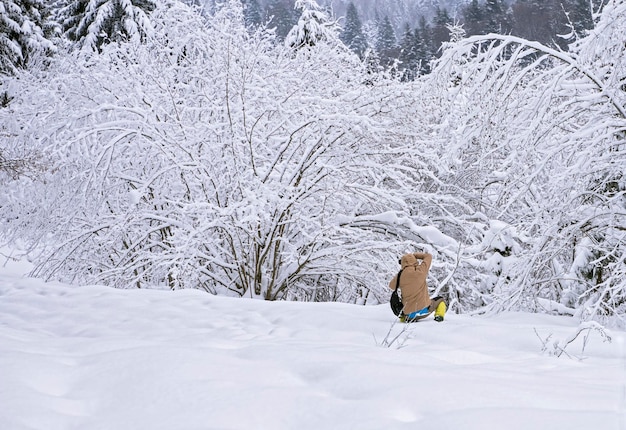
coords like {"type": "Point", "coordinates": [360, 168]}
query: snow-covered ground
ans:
{"type": "Point", "coordinates": [98, 358]}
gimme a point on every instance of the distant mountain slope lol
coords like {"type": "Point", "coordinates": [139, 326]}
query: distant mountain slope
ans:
{"type": "Point", "coordinates": [399, 12]}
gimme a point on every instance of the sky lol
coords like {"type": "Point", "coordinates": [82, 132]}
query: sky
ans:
{"type": "Point", "coordinates": [93, 357]}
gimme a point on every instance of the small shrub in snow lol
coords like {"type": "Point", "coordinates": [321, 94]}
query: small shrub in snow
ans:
{"type": "Point", "coordinates": [557, 347]}
{"type": "Point", "coordinates": [396, 340]}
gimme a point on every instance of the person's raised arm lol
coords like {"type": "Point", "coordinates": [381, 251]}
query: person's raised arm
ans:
{"type": "Point", "coordinates": [425, 257]}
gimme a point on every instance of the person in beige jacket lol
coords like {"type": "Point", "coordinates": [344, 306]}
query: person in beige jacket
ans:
{"type": "Point", "coordinates": [414, 289]}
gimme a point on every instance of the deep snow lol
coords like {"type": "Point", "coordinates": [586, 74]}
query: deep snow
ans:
{"type": "Point", "coordinates": [93, 357]}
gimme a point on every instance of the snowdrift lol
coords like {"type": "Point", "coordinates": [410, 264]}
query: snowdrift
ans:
{"type": "Point", "coordinates": [95, 358]}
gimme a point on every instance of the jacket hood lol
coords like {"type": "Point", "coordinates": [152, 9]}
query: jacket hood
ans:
{"type": "Point", "coordinates": [408, 260]}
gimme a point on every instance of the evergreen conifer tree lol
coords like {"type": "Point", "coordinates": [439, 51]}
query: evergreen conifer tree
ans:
{"type": "Point", "coordinates": [352, 35]}
{"type": "Point", "coordinates": [496, 17]}
{"type": "Point", "coordinates": [280, 17]}
{"type": "Point", "coordinates": [409, 47]}
{"type": "Point", "coordinates": [253, 15]}
{"type": "Point", "coordinates": [440, 30]}
{"type": "Point", "coordinates": [386, 43]}
{"type": "Point", "coordinates": [426, 51]}
{"type": "Point", "coordinates": [24, 28]}
{"type": "Point", "coordinates": [473, 18]}
{"type": "Point", "coordinates": [93, 23]}
{"type": "Point", "coordinates": [314, 26]}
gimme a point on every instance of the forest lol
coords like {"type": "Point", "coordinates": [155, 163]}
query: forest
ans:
{"type": "Point", "coordinates": [408, 35]}
{"type": "Point", "coordinates": [155, 144]}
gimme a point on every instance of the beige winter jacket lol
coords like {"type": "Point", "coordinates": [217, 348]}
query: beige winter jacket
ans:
{"type": "Point", "coordinates": [413, 285]}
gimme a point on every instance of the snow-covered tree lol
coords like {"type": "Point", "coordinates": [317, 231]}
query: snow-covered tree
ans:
{"type": "Point", "coordinates": [576, 19]}
{"type": "Point", "coordinates": [253, 13]}
{"type": "Point", "coordinates": [352, 34]}
{"type": "Point", "coordinates": [280, 16]}
{"type": "Point", "coordinates": [93, 23]}
{"type": "Point", "coordinates": [539, 20]}
{"type": "Point", "coordinates": [474, 18]}
{"type": "Point", "coordinates": [497, 18]}
{"type": "Point", "coordinates": [212, 159]}
{"type": "Point", "coordinates": [426, 49]}
{"type": "Point", "coordinates": [409, 54]}
{"type": "Point", "coordinates": [314, 26]}
{"type": "Point", "coordinates": [535, 139]}
{"type": "Point", "coordinates": [386, 43]}
{"type": "Point", "coordinates": [24, 32]}
{"type": "Point", "coordinates": [441, 33]}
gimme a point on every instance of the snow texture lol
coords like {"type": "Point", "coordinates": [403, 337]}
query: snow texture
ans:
{"type": "Point", "coordinates": [94, 357]}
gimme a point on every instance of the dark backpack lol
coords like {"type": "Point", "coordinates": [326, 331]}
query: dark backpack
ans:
{"type": "Point", "coordinates": [396, 301]}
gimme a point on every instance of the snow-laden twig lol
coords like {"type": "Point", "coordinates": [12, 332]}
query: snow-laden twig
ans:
{"type": "Point", "coordinates": [398, 340]}
{"type": "Point", "coordinates": [558, 347]}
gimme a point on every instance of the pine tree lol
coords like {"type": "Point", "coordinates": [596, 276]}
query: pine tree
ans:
{"type": "Point", "coordinates": [280, 17]}
{"type": "Point", "coordinates": [496, 17]}
{"type": "Point", "coordinates": [386, 43]}
{"type": "Point", "coordinates": [352, 35]}
{"type": "Point", "coordinates": [440, 30]}
{"type": "Point", "coordinates": [426, 51]}
{"type": "Point", "coordinates": [23, 30]}
{"type": "Point", "coordinates": [536, 20]}
{"type": "Point", "coordinates": [252, 13]}
{"type": "Point", "coordinates": [409, 47]}
{"type": "Point", "coordinates": [93, 23]}
{"type": "Point", "coordinates": [313, 27]}
{"type": "Point", "coordinates": [442, 17]}
{"type": "Point", "coordinates": [473, 18]}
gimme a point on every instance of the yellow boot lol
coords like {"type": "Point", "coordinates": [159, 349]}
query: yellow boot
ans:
{"type": "Point", "coordinates": [440, 311]}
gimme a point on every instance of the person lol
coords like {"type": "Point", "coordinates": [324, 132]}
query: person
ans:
{"type": "Point", "coordinates": [417, 303]}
